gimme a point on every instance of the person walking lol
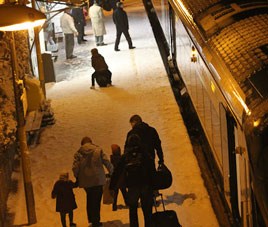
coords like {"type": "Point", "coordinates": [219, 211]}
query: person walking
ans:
{"type": "Point", "coordinates": [149, 137]}
{"type": "Point", "coordinates": [97, 21]}
{"type": "Point", "coordinates": [121, 23]}
{"type": "Point", "coordinates": [102, 74]}
{"type": "Point", "coordinates": [68, 28]}
{"type": "Point", "coordinates": [65, 200]}
{"type": "Point", "coordinates": [89, 172]}
{"type": "Point", "coordinates": [79, 21]}
{"type": "Point", "coordinates": [138, 168]}
{"type": "Point", "coordinates": [115, 159]}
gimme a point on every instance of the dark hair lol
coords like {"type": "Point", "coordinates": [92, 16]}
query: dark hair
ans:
{"type": "Point", "coordinates": [134, 140]}
{"type": "Point", "coordinates": [135, 119]}
{"type": "Point", "coordinates": [86, 140]}
{"type": "Point", "coordinates": [94, 51]}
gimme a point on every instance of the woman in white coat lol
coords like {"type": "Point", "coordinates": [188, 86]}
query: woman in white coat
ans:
{"type": "Point", "coordinates": [97, 20]}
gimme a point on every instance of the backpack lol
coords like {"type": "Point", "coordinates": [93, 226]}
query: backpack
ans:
{"type": "Point", "coordinates": [134, 161]}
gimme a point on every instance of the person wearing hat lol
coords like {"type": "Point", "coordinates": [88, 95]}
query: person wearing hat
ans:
{"type": "Point", "coordinates": [121, 23]}
{"type": "Point", "coordinates": [102, 74]}
{"type": "Point", "coordinates": [89, 172]}
{"type": "Point", "coordinates": [65, 200]}
{"type": "Point", "coordinates": [115, 159]}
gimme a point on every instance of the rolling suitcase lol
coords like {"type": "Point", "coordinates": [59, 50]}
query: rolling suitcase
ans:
{"type": "Point", "coordinates": [166, 218]}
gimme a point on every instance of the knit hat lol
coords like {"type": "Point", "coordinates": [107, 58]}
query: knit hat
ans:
{"type": "Point", "coordinates": [116, 149]}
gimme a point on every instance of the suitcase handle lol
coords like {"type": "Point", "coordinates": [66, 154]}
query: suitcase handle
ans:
{"type": "Point", "coordinates": [155, 205]}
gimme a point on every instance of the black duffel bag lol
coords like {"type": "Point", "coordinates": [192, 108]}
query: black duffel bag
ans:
{"type": "Point", "coordinates": [162, 178]}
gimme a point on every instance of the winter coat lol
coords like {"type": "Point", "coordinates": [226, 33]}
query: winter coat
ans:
{"type": "Point", "coordinates": [133, 179]}
{"type": "Point", "coordinates": [98, 63]}
{"type": "Point", "coordinates": [67, 24]}
{"type": "Point", "coordinates": [63, 192]}
{"type": "Point", "coordinates": [88, 166]}
{"type": "Point", "coordinates": [120, 19]}
{"type": "Point", "coordinates": [97, 20]}
{"type": "Point", "coordinates": [115, 159]}
{"type": "Point", "coordinates": [149, 139]}
{"type": "Point", "coordinates": [78, 16]}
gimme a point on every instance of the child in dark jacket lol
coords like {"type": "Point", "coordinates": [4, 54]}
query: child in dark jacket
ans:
{"type": "Point", "coordinates": [115, 158]}
{"type": "Point", "coordinates": [65, 200]}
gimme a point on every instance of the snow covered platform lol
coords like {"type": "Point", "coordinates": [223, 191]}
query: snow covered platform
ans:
{"type": "Point", "coordinates": [141, 86]}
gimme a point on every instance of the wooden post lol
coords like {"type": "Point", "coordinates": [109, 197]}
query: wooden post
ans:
{"type": "Point", "coordinates": [39, 56]}
{"type": "Point", "coordinates": [25, 159]}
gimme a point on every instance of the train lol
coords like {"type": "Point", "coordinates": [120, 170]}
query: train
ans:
{"type": "Point", "coordinates": [220, 49]}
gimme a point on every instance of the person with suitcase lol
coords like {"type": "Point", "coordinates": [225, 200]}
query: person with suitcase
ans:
{"type": "Point", "coordinates": [102, 74]}
{"type": "Point", "coordinates": [164, 218]}
{"type": "Point", "coordinates": [138, 167]}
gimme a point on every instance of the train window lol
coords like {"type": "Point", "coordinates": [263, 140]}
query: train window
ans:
{"type": "Point", "coordinates": [259, 81]}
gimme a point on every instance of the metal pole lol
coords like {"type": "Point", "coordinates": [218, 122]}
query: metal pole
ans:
{"type": "Point", "coordinates": [39, 56]}
{"type": "Point", "coordinates": [25, 159]}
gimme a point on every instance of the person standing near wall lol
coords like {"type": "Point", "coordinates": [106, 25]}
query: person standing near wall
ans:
{"type": "Point", "coordinates": [97, 20]}
{"type": "Point", "coordinates": [68, 28]}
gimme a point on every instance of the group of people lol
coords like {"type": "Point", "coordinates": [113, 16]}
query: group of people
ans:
{"type": "Point", "coordinates": [131, 173]}
{"type": "Point", "coordinates": [73, 22]}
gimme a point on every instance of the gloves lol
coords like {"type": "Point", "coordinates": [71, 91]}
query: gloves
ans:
{"type": "Point", "coordinates": [76, 182]}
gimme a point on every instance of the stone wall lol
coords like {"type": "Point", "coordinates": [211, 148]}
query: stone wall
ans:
{"type": "Point", "coordinates": [8, 121]}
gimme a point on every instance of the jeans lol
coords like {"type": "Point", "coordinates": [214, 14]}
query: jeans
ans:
{"type": "Point", "coordinates": [145, 193]}
{"type": "Point", "coordinates": [99, 39]}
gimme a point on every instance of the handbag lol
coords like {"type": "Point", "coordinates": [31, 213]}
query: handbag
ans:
{"type": "Point", "coordinates": [162, 178]}
{"type": "Point", "coordinates": [107, 196]}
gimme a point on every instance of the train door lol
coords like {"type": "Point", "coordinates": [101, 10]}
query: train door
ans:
{"type": "Point", "coordinates": [243, 179]}
{"type": "Point", "coordinates": [229, 160]}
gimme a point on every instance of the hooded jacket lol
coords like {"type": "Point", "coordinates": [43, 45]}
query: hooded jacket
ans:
{"type": "Point", "coordinates": [88, 166]}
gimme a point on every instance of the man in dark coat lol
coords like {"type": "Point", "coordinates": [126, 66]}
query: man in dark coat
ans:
{"type": "Point", "coordinates": [149, 137]}
{"type": "Point", "coordinates": [121, 22]}
{"type": "Point", "coordinates": [79, 22]}
{"type": "Point", "coordinates": [138, 167]}
{"type": "Point", "coordinates": [102, 74]}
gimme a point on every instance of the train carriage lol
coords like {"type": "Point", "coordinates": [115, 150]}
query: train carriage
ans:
{"type": "Point", "coordinates": [220, 49]}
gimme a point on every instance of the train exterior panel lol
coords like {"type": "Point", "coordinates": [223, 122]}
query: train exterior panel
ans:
{"type": "Point", "coordinates": [220, 48]}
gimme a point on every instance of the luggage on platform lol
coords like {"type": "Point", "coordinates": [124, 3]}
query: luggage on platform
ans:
{"type": "Point", "coordinates": [166, 218]}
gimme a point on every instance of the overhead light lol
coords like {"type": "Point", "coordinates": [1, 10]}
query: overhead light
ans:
{"type": "Point", "coordinates": [19, 17]}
